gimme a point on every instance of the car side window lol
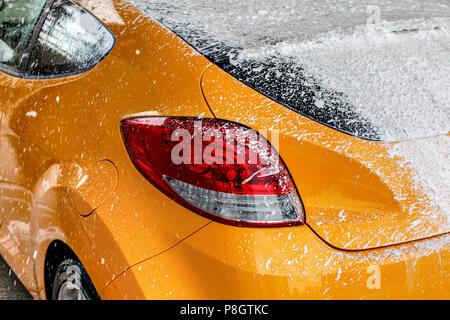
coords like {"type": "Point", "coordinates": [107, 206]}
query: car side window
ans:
{"type": "Point", "coordinates": [17, 21]}
{"type": "Point", "coordinates": [71, 41]}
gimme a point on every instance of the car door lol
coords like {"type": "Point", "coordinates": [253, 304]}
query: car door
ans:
{"type": "Point", "coordinates": [18, 20]}
{"type": "Point", "coordinates": [59, 39]}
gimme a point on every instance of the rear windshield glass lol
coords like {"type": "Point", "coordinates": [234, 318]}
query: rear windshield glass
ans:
{"type": "Point", "coordinates": [376, 69]}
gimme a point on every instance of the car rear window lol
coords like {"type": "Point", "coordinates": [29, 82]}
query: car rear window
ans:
{"type": "Point", "coordinates": [377, 70]}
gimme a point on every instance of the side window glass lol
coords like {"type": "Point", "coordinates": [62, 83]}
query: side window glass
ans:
{"type": "Point", "coordinates": [71, 41]}
{"type": "Point", "coordinates": [17, 21]}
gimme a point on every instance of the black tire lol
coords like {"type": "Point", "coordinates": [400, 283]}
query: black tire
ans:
{"type": "Point", "coordinates": [71, 282]}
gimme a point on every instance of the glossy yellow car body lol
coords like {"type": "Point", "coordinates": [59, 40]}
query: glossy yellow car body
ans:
{"type": "Point", "coordinates": [65, 176]}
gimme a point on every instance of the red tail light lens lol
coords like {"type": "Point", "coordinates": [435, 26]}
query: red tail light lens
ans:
{"type": "Point", "coordinates": [222, 170]}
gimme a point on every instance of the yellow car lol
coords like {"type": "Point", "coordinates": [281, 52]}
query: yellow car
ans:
{"type": "Point", "coordinates": [157, 149]}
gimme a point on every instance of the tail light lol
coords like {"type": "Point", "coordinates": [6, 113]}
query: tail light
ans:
{"type": "Point", "coordinates": [221, 170]}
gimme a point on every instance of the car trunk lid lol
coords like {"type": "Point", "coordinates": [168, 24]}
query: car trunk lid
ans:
{"type": "Point", "coordinates": [358, 194]}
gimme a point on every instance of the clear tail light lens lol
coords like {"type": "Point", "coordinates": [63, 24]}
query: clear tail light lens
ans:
{"type": "Point", "coordinates": [221, 170]}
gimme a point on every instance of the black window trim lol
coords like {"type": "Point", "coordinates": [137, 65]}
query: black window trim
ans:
{"type": "Point", "coordinates": [34, 36]}
{"type": "Point", "coordinates": [24, 65]}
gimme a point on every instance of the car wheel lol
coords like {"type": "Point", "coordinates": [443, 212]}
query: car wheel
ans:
{"type": "Point", "coordinates": [72, 282]}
